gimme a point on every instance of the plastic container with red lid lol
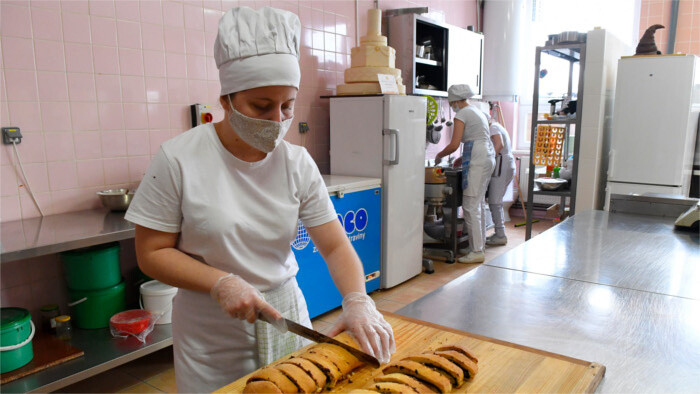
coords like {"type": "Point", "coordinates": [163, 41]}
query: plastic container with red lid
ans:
{"type": "Point", "coordinates": [132, 322]}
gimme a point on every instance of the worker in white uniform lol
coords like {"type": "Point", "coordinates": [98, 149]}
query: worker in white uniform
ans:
{"type": "Point", "coordinates": [471, 128]}
{"type": "Point", "coordinates": [500, 179]}
{"type": "Point", "coordinates": [219, 206]}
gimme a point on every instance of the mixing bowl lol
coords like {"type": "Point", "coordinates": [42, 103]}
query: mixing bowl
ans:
{"type": "Point", "coordinates": [116, 199]}
{"type": "Point", "coordinates": [550, 183]}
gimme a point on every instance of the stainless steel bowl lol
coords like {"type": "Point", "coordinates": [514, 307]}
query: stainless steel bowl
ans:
{"type": "Point", "coordinates": [550, 183]}
{"type": "Point", "coordinates": [116, 199]}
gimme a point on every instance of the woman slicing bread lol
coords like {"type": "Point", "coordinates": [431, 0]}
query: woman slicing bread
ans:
{"type": "Point", "coordinates": [218, 208]}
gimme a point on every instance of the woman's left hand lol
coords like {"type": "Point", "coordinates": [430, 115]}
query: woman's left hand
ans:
{"type": "Point", "coordinates": [361, 317]}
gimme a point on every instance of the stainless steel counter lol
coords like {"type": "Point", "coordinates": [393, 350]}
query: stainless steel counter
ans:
{"type": "Point", "coordinates": [622, 250]}
{"type": "Point", "coordinates": [102, 352]}
{"type": "Point", "coordinates": [27, 238]}
{"type": "Point", "coordinates": [571, 291]}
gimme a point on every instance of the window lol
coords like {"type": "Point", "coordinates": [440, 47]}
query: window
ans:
{"type": "Point", "coordinates": [621, 17]}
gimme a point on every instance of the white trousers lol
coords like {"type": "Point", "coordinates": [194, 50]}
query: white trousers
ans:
{"type": "Point", "coordinates": [480, 169]}
{"type": "Point", "coordinates": [211, 348]}
{"type": "Point", "coordinates": [497, 189]}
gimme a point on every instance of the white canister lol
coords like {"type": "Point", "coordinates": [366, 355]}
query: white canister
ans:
{"type": "Point", "coordinates": [158, 297]}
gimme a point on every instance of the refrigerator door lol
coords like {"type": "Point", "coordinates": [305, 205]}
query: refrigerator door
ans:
{"type": "Point", "coordinates": [652, 120]}
{"type": "Point", "coordinates": [356, 138]}
{"type": "Point", "coordinates": [635, 188]}
{"type": "Point", "coordinates": [403, 188]}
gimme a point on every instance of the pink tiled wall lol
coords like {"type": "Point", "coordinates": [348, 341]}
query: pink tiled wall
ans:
{"type": "Point", "coordinates": [688, 28]}
{"type": "Point", "coordinates": [97, 85]}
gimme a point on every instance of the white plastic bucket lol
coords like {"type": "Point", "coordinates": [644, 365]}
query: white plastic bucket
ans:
{"type": "Point", "coordinates": [157, 297]}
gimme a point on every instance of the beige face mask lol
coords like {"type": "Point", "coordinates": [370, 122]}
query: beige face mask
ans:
{"type": "Point", "coordinates": [261, 134]}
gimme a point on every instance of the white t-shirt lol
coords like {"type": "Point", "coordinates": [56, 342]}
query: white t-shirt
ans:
{"type": "Point", "coordinates": [497, 129]}
{"type": "Point", "coordinates": [476, 127]}
{"type": "Point", "coordinates": [234, 215]}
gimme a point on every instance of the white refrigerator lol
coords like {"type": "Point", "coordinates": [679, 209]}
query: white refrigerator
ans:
{"type": "Point", "coordinates": [655, 122]}
{"type": "Point", "coordinates": [384, 137]}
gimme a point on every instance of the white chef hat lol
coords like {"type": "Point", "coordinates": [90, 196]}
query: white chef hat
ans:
{"type": "Point", "coordinates": [459, 92]}
{"type": "Point", "coordinates": [257, 48]}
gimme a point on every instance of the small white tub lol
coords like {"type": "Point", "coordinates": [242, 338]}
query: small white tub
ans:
{"type": "Point", "coordinates": [157, 297]}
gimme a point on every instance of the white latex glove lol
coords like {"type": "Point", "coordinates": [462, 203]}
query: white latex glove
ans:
{"type": "Point", "coordinates": [362, 319]}
{"type": "Point", "coordinates": [241, 300]}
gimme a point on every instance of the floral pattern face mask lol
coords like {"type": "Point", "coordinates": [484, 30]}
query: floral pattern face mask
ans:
{"type": "Point", "coordinates": [262, 134]}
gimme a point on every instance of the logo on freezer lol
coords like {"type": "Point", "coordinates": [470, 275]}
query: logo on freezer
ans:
{"type": "Point", "coordinates": [354, 223]}
{"type": "Point", "coordinates": [302, 238]}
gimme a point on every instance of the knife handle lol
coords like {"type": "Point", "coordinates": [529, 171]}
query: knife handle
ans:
{"type": "Point", "coordinates": [280, 325]}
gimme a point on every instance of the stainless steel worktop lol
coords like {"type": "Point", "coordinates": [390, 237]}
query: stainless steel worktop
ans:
{"type": "Point", "coordinates": [27, 238]}
{"type": "Point", "coordinates": [566, 291]}
{"type": "Point", "coordinates": [102, 352]}
{"type": "Point", "coordinates": [622, 250]}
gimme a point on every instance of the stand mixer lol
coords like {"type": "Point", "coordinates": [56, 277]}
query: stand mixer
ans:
{"type": "Point", "coordinates": [443, 197]}
{"type": "Point", "coordinates": [435, 191]}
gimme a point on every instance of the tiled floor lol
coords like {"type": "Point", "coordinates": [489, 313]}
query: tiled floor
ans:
{"type": "Point", "coordinates": [155, 373]}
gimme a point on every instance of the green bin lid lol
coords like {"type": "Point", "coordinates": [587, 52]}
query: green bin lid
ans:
{"type": "Point", "coordinates": [91, 249]}
{"type": "Point", "coordinates": [13, 317]}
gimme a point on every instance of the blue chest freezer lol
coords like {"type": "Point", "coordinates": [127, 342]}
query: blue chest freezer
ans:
{"type": "Point", "coordinates": [357, 200]}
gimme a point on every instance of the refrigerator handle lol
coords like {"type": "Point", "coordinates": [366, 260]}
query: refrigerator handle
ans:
{"type": "Point", "coordinates": [611, 162]}
{"type": "Point", "coordinates": [395, 133]}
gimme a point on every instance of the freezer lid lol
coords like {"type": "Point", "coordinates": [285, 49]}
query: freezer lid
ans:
{"type": "Point", "coordinates": [349, 184]}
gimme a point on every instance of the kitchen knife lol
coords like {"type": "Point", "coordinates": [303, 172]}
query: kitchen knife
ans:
{"type": "Point", "coordinates": [317, 337]}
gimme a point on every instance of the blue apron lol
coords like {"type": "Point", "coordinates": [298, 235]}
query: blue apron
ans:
{"type": "Point", "coordinates": [466, 158]}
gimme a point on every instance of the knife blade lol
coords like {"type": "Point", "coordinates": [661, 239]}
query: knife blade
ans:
{"type": "Point", "coordinates": [317, 337]}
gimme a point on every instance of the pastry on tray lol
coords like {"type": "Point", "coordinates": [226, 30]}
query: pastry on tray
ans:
{"type": "Point", "coordinates": [331, 371]}
{"type": "Point", "coordinates": [262, 387]}
{"type": "Point", "coordinates": [442, 365]}
{"type": "Point", "coordinates": [461, 349]}
{"type": "Point", "coordinates": [421, 372]}
{"type": "Point", "coordinates": [310, 368]}
{"type": "Point", "coordinates": [415, 384]}
{"type": "Point", "coordinates": [323, 365]}
{"type": "Point", "coordinates": [342, 358]}
{"type": "Point", "coordinates": [390, 387]}
{"type": "Point", "coordinates": [468, 366]}
{"type": "Point", "coordinates": [301, 379]}
{"type": "Point", "coordinates": [274, 376]}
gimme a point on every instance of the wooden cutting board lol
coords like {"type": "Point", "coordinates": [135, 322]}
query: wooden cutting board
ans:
{"type": "Point", "coordinates": [503, 366]}
{"type": "Point", "coordinates": [48, 351]}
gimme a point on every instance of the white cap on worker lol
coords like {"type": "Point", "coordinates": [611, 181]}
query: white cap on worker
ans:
{"type": "Point", "coordinates": [459, 92]}
{"type": "Point", "coordinates": [256, 48]}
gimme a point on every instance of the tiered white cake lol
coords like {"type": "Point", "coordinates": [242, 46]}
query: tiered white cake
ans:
{"type": "Point", "coordinates": [372, 57]}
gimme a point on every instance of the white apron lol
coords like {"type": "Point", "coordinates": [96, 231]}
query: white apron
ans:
{"type": "Point", "coordinates": [213, 349]}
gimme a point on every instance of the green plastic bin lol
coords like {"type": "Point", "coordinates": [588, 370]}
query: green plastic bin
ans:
{"type": "Point", "coordinates": [92, 268]}
{"type": "Point", "coordinates": [93, 308]}
{"type": "Point", "coordinates": [16, 334]}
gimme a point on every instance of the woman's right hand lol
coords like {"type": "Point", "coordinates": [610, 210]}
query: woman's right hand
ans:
{"type": "Point", "coordinates": [241, 300]}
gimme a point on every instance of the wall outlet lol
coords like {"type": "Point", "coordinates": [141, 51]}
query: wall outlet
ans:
{"type": "Point", "coordinates": [303, 127]}
{"type": "Point", "coordinates": [10, 135]}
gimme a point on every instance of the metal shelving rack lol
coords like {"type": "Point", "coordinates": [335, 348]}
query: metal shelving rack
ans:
{"type": "Point", "coordinates": [573, 53]}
